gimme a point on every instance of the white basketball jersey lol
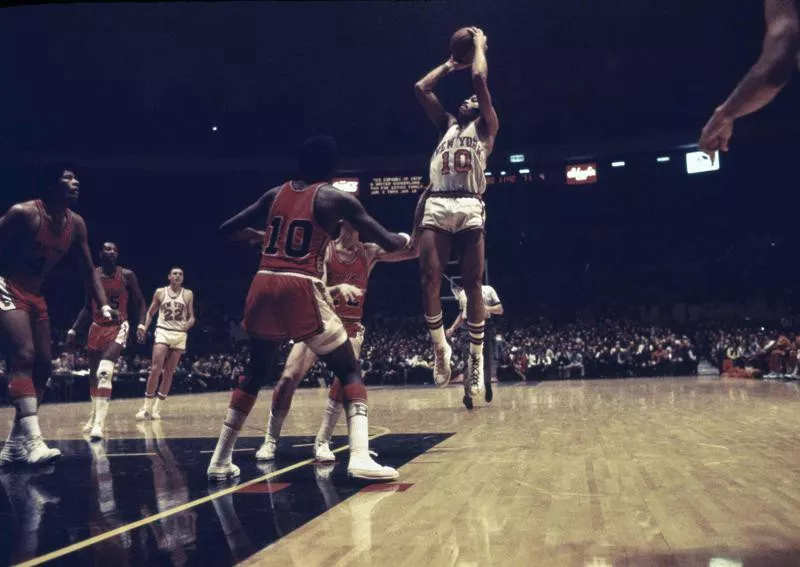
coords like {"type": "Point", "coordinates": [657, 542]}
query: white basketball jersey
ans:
{"type": "Point", "coordinates": [173, 314]}
{"type": "Point", "coordinates": [490, 299]}
{"type": "Point", "coordinates": [458, 164]}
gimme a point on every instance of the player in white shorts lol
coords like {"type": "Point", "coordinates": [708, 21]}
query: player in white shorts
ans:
{"type": "Point", "coordinates": [492, 306]}
{"type": "Point", "coordinates": [348, 264]}
{"type": "Point", "coordinates": [453, 214]}
{"type": "Point", "coordinates": [175, 307]}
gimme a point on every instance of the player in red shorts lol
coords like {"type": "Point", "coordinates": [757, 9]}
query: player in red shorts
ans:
{"type": "Point", "coordinates": [107, 339]}
{"type": "Point", "coordinates": [348, 264]}
{"type": "Point", "coordinates": [34, 235]}
{"type": "Point", "coordinates": [288, 298]}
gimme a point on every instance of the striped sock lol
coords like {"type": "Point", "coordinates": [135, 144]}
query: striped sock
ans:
{"type": "Point", "coordinates": [436, 328]}
{"type": "Point", "coordinates": [476, 337]}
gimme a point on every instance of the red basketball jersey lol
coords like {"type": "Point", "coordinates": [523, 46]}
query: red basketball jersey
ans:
{"type": "Point", "coordinates": [294, 242]}
{"type": "Point", "coordinates": [32, 261]}
{"type": "Point", "coordinates": [117, 294]}
{"type": "Point", "coordinates": [355, 272]}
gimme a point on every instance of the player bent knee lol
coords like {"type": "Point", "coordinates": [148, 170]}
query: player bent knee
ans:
{"type": "Point", "coordinates": [333, 333]}
{"type": "Point", "coordinates": [105, 373]}
{"type": "Point", "coordinates": [300, 360]}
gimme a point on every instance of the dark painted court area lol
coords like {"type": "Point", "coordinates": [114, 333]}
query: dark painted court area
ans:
{"type": "Point", "coordinates": [102, 488]}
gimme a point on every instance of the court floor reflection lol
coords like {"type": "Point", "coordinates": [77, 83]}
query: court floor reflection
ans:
{"type": "Point", "coordinates": [135, 501]}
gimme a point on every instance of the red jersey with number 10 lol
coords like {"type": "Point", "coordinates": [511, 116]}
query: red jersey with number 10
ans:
{"type": "Point", "coordinates": [117, 294]}
{"type": "Point", "coordinates": [294, 242]}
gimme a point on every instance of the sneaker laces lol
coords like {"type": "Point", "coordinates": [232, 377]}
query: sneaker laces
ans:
{"type": "Point", "coordinates": [34, 442]}
{"type": "Point", "coordinates": [475, 370]}
{"type": "Point", "coordinates": [439, 360]}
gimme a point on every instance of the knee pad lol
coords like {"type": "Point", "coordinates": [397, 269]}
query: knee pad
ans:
{"type": "Point", "coordinates": [355, 392]}
{"type": "Point", "coordinates": [105, 371]}
{"type": "Point", "coordinates": [21, 388]}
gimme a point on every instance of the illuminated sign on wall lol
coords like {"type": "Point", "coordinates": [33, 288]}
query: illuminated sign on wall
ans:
{"type": "Point", "coordinates": [517, 158]}
{"type": "Point", "coordinates": [396, 185]}
{"type": "Point", "coordinates": [581, 173]}
{"type": "Point", "coordinates": [700, 162]}
{"type": "Point", "coordinates": [348, 185]}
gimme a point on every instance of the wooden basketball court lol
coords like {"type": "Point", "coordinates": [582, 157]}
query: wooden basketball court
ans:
{"type": "Point", "coordinates": [663, 471]}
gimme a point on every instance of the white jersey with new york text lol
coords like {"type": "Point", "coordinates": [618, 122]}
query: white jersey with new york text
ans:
{"type": "Point", "coordinates": [458, 164]}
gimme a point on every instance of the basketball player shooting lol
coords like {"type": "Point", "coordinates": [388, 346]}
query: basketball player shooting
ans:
{"type": "Point", "coordinates": [779, 56]}
{"type": "Point", "coordinates": [288, 298]}
{"type": "Point", "coordinates": [107, 339]}
{"type": "Point", "coordinates": [453, 214]}
{"type": "Point", "coordinates": [34, 236]}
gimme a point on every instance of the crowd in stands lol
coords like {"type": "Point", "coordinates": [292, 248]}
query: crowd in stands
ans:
{"type": "Point", "coordinates": [758, 352]}
{"type": "Point", "coordinates": [596, 348]}
{"type": "Point", "coordinates": [399, 351]}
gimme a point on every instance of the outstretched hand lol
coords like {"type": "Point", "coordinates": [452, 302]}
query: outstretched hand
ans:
{"type": "Point", "coordinates": [348, 292]}
{"type": "Point", "coordinates": [716, 134]}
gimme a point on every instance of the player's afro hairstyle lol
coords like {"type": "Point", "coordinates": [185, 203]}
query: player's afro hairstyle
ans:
{"type": "Point", "coordinates": [48, 175]}
{"type": "Point", "coordinates": [318, 159]}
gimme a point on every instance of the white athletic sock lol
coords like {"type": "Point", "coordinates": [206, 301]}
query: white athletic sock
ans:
{"type": "Point", "coordinates": [436, 328]}
{"type": "Point", "coordinates": [30, 426]}
{"type": "Point", "coordinates": [333, 410]}
{"type": "Point", "coordinates": [15, 433]}
{"type": "Point", "coordinates": [228, 436]}
{"type": "Point", "coordinates": [101, 411]}
{"type": "Point", "coordinates": [358, 426]}
{"type": "Point", "coordinates": [275, 424]}
{"type": "Point", "coordinates": [476, 334]}
{"type": "Point", "coordinates": [26, 406]}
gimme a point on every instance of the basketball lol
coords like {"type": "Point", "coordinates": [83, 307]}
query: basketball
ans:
{"type": "Point", "coordinates": [462, 47]}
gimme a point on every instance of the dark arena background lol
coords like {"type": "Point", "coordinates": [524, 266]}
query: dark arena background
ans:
{"type": "Point", "coordinates": [645, 365]}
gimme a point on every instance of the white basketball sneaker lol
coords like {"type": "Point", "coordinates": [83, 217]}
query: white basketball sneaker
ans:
{"type": "Point", "coordinates": [365, 468]}
{"type": "Point", "coordinates": [475, 374]}
{"type": "Point", "coordinates": [267, 450]}
{"type": "Point", "coordinates": [143, 415]}
{"type": "Point", "coordinates": [97, 433]}
{"type": "Point", "coordinates": [89, 424]}
{"type": "Point", "coordinates": [37, 453]}
{"type": "Point", "coordinates": [323, 453]}
{"type": "Point", "coordinates": [13, 451]}
{"type": "Point", "coordinates": [441, 365]}
{"type": "Point", "coordinates": [222, 472]}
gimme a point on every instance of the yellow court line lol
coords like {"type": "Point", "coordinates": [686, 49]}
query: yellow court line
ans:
{"type": "Point", "coordinates": [243, 450]}
{"type": "Point", "coordinates": [177, 510]}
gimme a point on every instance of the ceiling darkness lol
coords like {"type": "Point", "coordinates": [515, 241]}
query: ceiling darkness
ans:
{"type": "Point", "coordinates": [155, 78]}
